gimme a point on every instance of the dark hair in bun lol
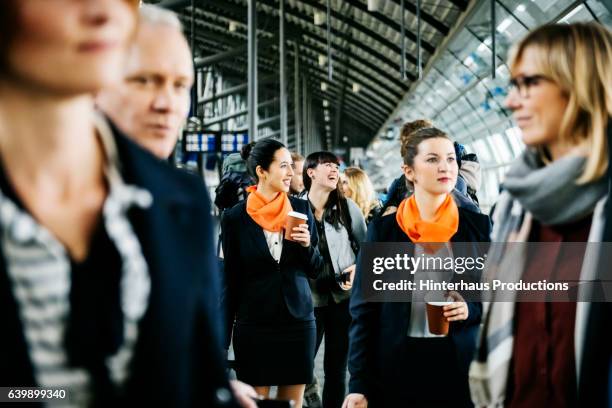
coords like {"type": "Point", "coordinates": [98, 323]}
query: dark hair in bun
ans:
{"type": "Point", "coordinates": [260, 153]}
{"type": "Point", "coordinates": [246, 151]}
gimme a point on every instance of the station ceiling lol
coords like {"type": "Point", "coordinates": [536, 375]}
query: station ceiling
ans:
{"type": "Point", "coordinates": [367, 83]}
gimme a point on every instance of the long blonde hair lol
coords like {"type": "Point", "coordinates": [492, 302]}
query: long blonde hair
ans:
{"type": "Point", "coordinates": [578, 58]}
{"type": "Point", "coordinates": [362, 190]}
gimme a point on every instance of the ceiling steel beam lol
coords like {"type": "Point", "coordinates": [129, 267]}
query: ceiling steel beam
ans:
{"type": "Point", "coordinates": [383, 18]}
{"type": "Point", "coordinates": [239, 50]}
{"type": "Point", "coordinates": [402, 86]}
{"type": "Point", "coordinates": [236, 89]}
{"type": "Point", "coordinates": [360, 27]}
{"type": "Point", "coordinates": [359, 105]}
{"type": "Point", "coordinates": [174, 4]}
{"type": "Point", "coordinates": [235, 114]}
{"type": "Point", "coordinates": [338, 34]}
{"type": "Point", "coordinates": [384, 108]}
{"type": "Point", "coordinates": [298, 31]}
{"type": "Point", "coordinates": [383, 97]}
{"type": "Point", "coordinates": [428, 18]}
{"type": "Point", "coordinates": [367, 110]}
{"type": "Point", "coordinates": [349, 111]}
{"type": "Point", "coordinates": [364, 74]}
{"type": "Point", "coordinates": [461, 4]}
{"type": "Point", "coordinates": [296, 14]}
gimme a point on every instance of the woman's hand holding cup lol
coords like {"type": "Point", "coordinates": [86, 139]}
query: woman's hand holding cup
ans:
{"type": "Point", "coordinates": [458, 310]}
{"type": "Point", "coordinates": [301, 235]}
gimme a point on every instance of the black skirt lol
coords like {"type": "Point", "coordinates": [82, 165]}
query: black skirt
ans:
{"type": "Point", "coordinates": [279, 354]}
{"type": "Point", "coordinates": [427, 376]}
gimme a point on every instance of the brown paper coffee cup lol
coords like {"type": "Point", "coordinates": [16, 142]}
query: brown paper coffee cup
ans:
{"type": "Point", "coordinates": [435, 318]}
{"type": "Point", "coordinates": [294, 219]}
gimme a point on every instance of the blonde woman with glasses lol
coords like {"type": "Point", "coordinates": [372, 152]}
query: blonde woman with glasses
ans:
{"type": "Point", "coordinates": [530, 353]}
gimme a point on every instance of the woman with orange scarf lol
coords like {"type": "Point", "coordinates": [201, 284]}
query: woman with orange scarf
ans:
{"type": "Point", "coordinates": [394, 359]}
{"type": "Point", "coordinates": [266, 294]}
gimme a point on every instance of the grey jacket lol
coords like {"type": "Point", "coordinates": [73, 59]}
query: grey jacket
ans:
{"type": "Point", "coordinates": [340, 251]}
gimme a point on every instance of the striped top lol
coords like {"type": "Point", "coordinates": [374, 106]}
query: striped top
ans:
{"type": "Point", "coordinates": [39, 270]}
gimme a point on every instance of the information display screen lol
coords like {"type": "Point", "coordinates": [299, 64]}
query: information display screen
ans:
{"type": "Point", "coordinates": [200, 142]}
{"type": "Point", "coordinates": [214, 142]}
{"type": "Point", "coordinates": [233, 143]}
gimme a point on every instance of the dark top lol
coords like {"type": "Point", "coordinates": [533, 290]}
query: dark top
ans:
{"type": "Point", "coordinates": [594, 388]}
{"type": "Point", "coordinates": [375, 212]}
{"type": "Point", "coordinates": [178, 359]}
{"type": "Point", "coordinates": [325, 289]}
{"type": "Point", "coordinates": [95, 324]}
{"type": "Point", "coordinates": [544, 373]}
{"type": "Point", "coordinates": [257, 289]}
{"type": "Point", "coordinates": [378, 330]}
{"type": "Point", "coordinates": [326, 282]}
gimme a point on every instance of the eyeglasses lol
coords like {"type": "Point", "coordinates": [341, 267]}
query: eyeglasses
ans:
{"type": "Point", "coordinates": [524, 83]}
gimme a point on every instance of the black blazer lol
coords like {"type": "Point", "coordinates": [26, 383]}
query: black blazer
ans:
{"type": "Point", "coordinates": [378, 329]}
{"type": "Point", "coordinates": [594, 389]}
{"type": "Point", "coordinates": [178, 358]}
{"type": "Point", "coordinates": [257, 289]}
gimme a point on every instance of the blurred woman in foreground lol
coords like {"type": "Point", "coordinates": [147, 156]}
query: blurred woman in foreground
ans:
{"type": "Point", "coordinates": [561, 98]}
{"type": "Point", "coordinates": [108, 287]}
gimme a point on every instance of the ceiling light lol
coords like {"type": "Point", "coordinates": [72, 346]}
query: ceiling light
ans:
{"type": "Point", "coordinates": [322, 60]}
{"type": "Point", "coordinates": [374, 5]}
{"type": "Point", "coordinates": [356, 87]}
{"type": "Point", "coordinates": [319, 18]}
{"type": "Point", "coordinates": [507, 22]}
{"type": "Point", "coordinates": [323, 86]}
{"type": "Point", "coordinates": [325, 103]}
{"type": "Point", "coordinates": [233, 26]}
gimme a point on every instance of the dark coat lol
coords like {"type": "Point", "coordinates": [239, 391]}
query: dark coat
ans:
{"type": "Point", "coordinates": [378, 329]}
{"type": "Point", "coordinates": [257, 289]}
{"type": "Point", "coordinates": [178, 358]}
{"type": "Point", "coordinates": [595, 385]}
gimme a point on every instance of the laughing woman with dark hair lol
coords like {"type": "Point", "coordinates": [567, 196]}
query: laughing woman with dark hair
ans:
{"type": "Point", "coordinates": [341, 228]}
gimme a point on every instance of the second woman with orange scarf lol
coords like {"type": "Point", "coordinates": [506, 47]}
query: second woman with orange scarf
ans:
{"type": "Point", "coordinates": [394, 359]}
{"type": "Point", "coordinates": [266, 288]}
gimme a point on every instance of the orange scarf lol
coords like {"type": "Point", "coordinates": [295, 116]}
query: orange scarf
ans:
{"type": "Point", "coordinates": [441, 229]}
{"type": "Point", "coordinates": [270, 216]}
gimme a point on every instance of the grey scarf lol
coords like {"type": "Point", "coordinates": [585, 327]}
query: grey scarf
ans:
{"type": "Point", "coordinates": [550, 192]}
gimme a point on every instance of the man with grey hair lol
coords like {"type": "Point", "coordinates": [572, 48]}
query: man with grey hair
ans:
{"type": "Point", "coordinates": [153, 101]}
